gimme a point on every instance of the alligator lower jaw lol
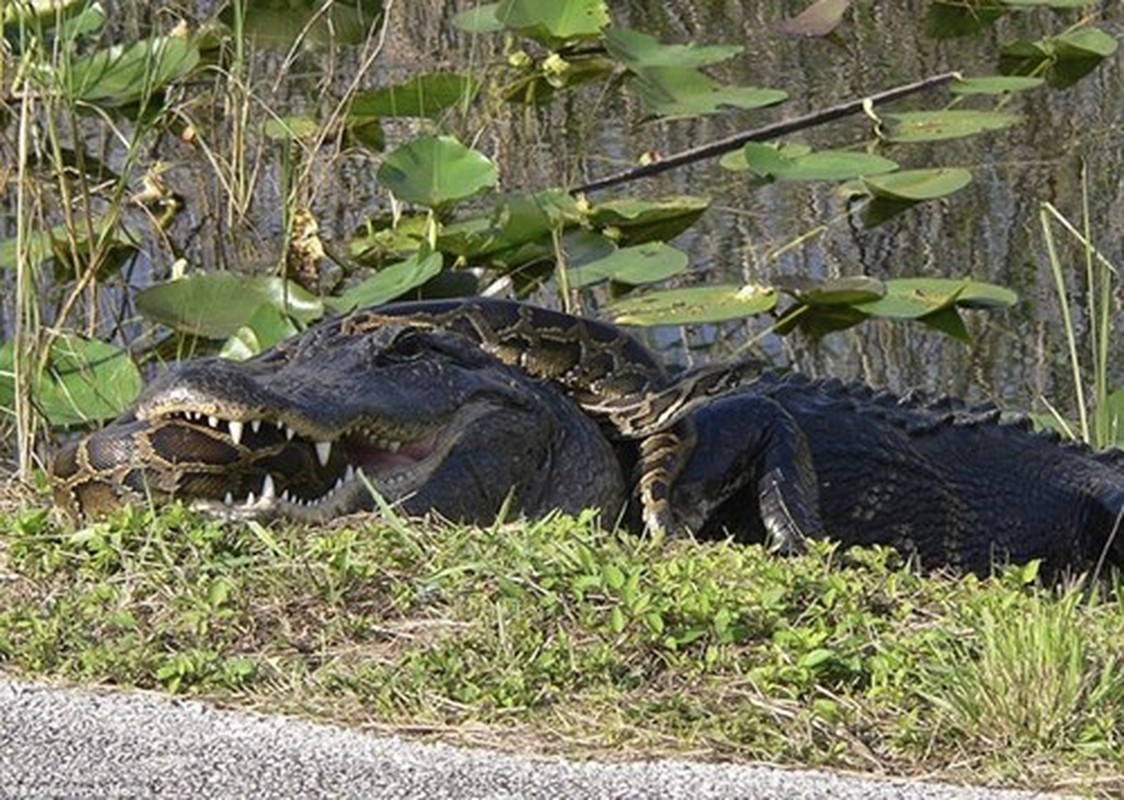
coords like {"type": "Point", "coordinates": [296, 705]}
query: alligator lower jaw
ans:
{"type": "Point", "coordinates": [359, 466]}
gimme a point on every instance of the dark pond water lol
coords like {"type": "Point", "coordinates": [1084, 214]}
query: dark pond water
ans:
{"type": "Point", "coordinates": [989, 231]}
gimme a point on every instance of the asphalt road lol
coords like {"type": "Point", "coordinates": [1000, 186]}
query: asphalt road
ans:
{"type": "Point", "coordinates": [70, 743]}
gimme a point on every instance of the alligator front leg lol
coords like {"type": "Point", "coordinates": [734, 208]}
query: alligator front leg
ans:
{"type": "Point", "coordinates": [749, 468]}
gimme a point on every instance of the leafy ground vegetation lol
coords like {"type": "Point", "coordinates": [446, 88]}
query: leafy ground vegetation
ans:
{"type": "Point", "coordinates": [562, 637]}
{"type": "Point", "coordinates": [145, 153]}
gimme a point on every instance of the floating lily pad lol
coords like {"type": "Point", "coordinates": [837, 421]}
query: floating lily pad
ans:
{"type": "Point", "coordinates": [1065, 58]}
{"type": "Point", "coordinates": [436, 171]}
{"type": "Point", "coordinates": [126, 74]}
{"type": "Point", "coordinates": [846, 291]}
{"type": "Point", "coordinates": [423, 96]}
{"type": "Point", "coordinates": [950, 19]}
{"type": "Point", "coordinates": [84, 381]}
{"type": "Point", "coordinates": [916, 185]}
{"type": "Point", "coordinates": [931, 126]}
{"type": "Point", "coordinates": [635, 221]}
{"type": "Point", "coordinates": [685, 92]}
{"type": "Point", "coordinates": [644, 263]}
{"type": "Point", "coordinates": [694, 304]}
{"type": "Point", "coordinates": [389, 283]}
{"type": "Point", "coordinates": [267, 326]}
{"type": "Point", "coordinates": [995, 84]}
{"type": "Point", "coordinates": [279, 23]}
{"type": "Point", "coordinates": [801, 164]}
{"type": "Point", "coordinates": [554, 22]}
{"type": "Point", "coordinates": [216, 304]}
{"type": "Point", "coordinates": [640, 50]}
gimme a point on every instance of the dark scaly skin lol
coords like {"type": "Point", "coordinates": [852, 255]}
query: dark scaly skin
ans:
{"type": "Point", "coordinates": [470, 435]}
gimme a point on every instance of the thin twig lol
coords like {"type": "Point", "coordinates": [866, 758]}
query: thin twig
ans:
{"type": "Point", "coordinates": [782, 128]}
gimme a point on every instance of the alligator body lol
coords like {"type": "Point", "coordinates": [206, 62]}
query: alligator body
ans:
{"type": "Point", "coordinates": [462, 407]}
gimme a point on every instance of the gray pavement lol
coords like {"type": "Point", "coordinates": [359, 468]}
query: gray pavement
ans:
{"type": "Point", "coordinates": [78, 743]}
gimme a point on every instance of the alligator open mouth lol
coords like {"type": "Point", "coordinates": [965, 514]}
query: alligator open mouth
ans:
{"type": "Point", "coordinates": [308, 477]}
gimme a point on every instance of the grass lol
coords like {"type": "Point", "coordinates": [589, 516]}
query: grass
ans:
{"type": "Point", "coordinates": [558, 636]}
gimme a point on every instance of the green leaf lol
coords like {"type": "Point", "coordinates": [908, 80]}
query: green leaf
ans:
{"type": "Point", "coordinates": [915, 298]}
{"type": "Point", "coordinates": [389, 283]}
{"type": "Point", "coordinates": [278, 24]}
{"type": "Point", "coordinates": [85, 381]}
{"type": "Point", "coordinates": [216, 304]}
{"type": "Point", "coordinates": [994, 84]}
{"type": "Point", "coordinates": [639, 50]}
{"type": "Point", "coordinates": [268, 326]}
{"type": "Point", "coordinates": [480, 19]}
{"type": "Point", "coordinates": [694, 304]}
{"type": "Point", "coordinates": [635, 221]}
{"type": "Point", "coordinates": [818, 19]}
{"type": "Point", "coordinates": [949, 19]}
{"type": "Point", "coordinates": [436, 171]}
{"type": "Point", "coordinates": [931, 126]}
{"type": "Point", "coordinates": [783, 164]}
{"type": "Point", "coordinates": [427, 95]}
{"type": "Point", "coordinates": [917, 185]}
{"type": "Point", "coordinates": [644, 263]}
{"type": "Point", "coordinates": [847, 291]}
{"type": "Point", "coordinates": [126, 74]}
{"type": "Point", "coordinates": [1065, 58]}
{"type": "Point", "coordinates": [554, 22]}
{"type": "Point", "coordinates": [684, 92]}
{"type": "Point", "coordinates": [56, 243]}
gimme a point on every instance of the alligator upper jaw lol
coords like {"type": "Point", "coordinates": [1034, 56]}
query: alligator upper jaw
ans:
{"type": "Point", "coordinates": [339, 474]}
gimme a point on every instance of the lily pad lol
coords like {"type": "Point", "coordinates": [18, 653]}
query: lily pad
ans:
{"type": "Point", "coordinates": [555, 22]}
{"type": "Point", "coordinates": [126, 74]}
{"type": "Point", "coordinates": [789, 164]}
{"type": "Point", "coordinates": [389, 283]}
{"type": "Point", "coordinates": [423, 96]}
{"type": "Point", "coordinates": [638, 50]}
{"type": "Point", "coordinates": [216, 304]}
{"type": "Point", "coordinates": [685, 92]}
{"type": "Point", "coordinates": [932, 126]}
{"type": "Point", "coordinates": [846, 291]}
{"type": "Point", "coordinates": [635, 221]}
{"type": "Point", "coordinates": [85, 381]}
{"type": "Point", "coordinates": [916, 185]}
{"type": "Point", "coordinates": [644, 263]}
{"type": "Point", "coordinates": [694, 304]}
{"type": "Point", "coordinates": [436, 171]}
{"type": "Point", "coordinates": [278, 24]}
{"type": "Point", "coordinates": [995, 84]}
{"type": "Point", "coordinates": [1065, 58]}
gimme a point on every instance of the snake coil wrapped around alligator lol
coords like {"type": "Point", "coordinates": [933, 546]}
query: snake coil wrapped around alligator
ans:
{"type": "Point", "coordinates": [467, 407]}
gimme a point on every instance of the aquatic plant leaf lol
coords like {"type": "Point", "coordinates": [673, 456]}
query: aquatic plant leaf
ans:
{"type": "Point", "coordinates": [818, 19]}
{"type": "Point", "coordinates": [916, 185]}
{"type": "Point", "coordinates": [632, 220]}
{"type": "Point", "coordinates": [694, 304]}
{"type": "Point", "coordinates": [914, 298]}
{"type": "Point", "coordinates": [64, 244]}
{"type": "Point", "coordinates": [553, 22]}
{"type": "Point", "coordinates": [847, 291]}
{"type": "Point", "coordinates": [278, 24]}
{"type": "Point", "coordinates": [684, 92]}
{"type": "Point", "coordinates": [951, 19]}
{"type": "Point", "coordinates": [126, 74]}
{"type": "Point", "coordinates": [427, 95]}
{"type": "Point", "coordinates": [643, 263]}
{"type": "Point", "coordinates": [267, 326]}
{"type": "Point", "coordinates": [790, 164]}
{"type": "Point", "coordinates": [479, 19]}
{"type": "Point", "coordinates": [637, 50]}
{"type": "Point", "coordinates": [389, 283]}
{"type": "Point", "coordinates": [1066, 58]}
{"type": "Point", "coordinates": [84, 381]}
{"type": "Point", "coordinates": [994, 84]}
{"type": "Point", "coordinates": [436, 171]}
{"type": "Point", "coordinates": [216, 304]}
{"type": "Point", "coordinates": [932, 126]}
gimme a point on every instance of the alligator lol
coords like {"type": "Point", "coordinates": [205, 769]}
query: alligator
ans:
{"type": "Point", "coordinates": [470, 408]}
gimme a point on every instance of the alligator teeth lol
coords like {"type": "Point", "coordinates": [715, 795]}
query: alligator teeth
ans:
{"type": "Point", "coordinates": [229, 499]}
{"type": "Point", "coordinates": [213, 421]}
{"type": "Point", "coordinates": [236, 429]}
{"type": "Point", "coordinates": [349, 474]}
{"type": "Point", "coordinates": [250, 499]}
{"type": "Point", "coordinates": [255, 425]}
{"type": "Point", "coordinates": [268, 490]}
{"type": "Point", "coordinates": [323, 452]}
{"type": "Point", "coordinates": [286, 497]}
{"type": "Point", "coordinates": [289, 432]}
{"type": "Point", "coordinates": [393, 446]}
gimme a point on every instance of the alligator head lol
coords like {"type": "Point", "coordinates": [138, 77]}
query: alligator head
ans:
{"type": "Point", "coordinates": [318, 426]}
